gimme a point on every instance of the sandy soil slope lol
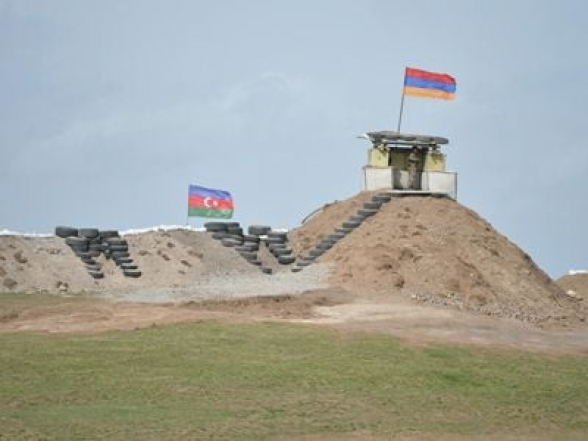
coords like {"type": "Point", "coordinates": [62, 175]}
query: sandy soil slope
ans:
{"type": "Point", "coordinates": [577, 284]}
{"type": "Point", "coordinates": [438, 252]}
{"type": "Point", "coordinates": [176, 265]}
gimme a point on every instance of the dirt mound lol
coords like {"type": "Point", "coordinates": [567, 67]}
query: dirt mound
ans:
{"type": "Point", "coordinates": [165, 258]}
{"type": "Point", "coordinates": [435, 251]}
{"type": "Point", "coordinates": [176, 265]}
{"type": "Point", "coordinates": [426, 249]}
{"type": "Point", "coordinates": [576, 283]}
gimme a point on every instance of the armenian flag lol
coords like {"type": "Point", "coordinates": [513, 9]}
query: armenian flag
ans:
{"type": "Point", "coordinates": [425, 84]}
{"type": "Point", "coordinates": [209, 202]}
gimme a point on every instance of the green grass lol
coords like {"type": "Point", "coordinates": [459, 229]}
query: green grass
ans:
{"type": "Point", "coordinates": [257, 381]}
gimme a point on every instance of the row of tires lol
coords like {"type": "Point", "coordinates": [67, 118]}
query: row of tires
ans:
{"type": "Point", "coordinates": [236, 229]}
{"type": "Point", "coordinates": [246, 245]}
{"type": "Point", "coordinates": [277, 244]}
{"type": "Point", "coordinates": [89, 243]}
{"type": "Point", "coordinates": [231, 234]}
{"type": "Point", "coordinates": [368, 210]}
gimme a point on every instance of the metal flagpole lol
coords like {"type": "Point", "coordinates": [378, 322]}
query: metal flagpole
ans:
{"type": "Point", "coordinates": [401, 109]}
{"type": "Point", "coordinates": [188, 210]}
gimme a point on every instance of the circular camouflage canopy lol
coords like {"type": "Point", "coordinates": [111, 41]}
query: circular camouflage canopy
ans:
{"type": "Point", "coordinates": [389, 137]}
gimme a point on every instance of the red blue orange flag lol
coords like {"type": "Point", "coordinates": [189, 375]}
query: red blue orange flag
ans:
{"type": "Point", "coordinates": [428, 84]}
{"type": "Point", "coordinates": [208, 202]}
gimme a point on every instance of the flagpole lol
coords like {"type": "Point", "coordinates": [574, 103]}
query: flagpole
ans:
{"type": "Point", "coordinates": [401, 110]}
{"type": "Point", "coordinates": [188, 210]}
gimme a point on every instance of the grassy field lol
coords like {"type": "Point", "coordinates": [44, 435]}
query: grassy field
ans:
{"type": "Point", "coordinates": [260, 381]}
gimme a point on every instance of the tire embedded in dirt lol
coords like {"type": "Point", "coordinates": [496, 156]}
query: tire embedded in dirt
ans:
{"type": "Point", "coordinates": [215, 226]}
{"type": "Point", "coordinates": [258, 230]}
{"type": "Point", "coordinates": [89, 233]}
{"type": "Point", "coordinates": [132, 273]}
{"type": "Point", "coordinates": [64, 232]}
{"type": "Point", "coordinates": [286, 260]}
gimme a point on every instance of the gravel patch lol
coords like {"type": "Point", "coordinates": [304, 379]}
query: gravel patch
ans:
{"type": "Point", "coordinates": [233, 285]}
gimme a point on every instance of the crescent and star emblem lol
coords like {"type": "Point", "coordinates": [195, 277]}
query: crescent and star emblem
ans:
{"type": "Point", "coordinates": [209, 202]}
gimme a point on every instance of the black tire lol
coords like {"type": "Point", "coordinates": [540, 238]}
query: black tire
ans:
{"type": "Point", "coordinates": [282, 252]}
{"type": "Point", "coordinates": [248, 255]}
{"type": "Point", "coordinates": [315, 252]}
{"type": "Point", "coordinates": [278, 235]}
{"type": "Point", "coordinates": [215, 226]}
{"type": "Point", "coordinates": [251, 238]}
{"type": "Point", "coordinates": [343, 231]}
{"type": "Point", "coordinates": [64, 232]}
{"type": "Point", "coordinates": [286, 260]}
{"type": "Point", "coordinates": [366, 213]}
{"type": "Point", "coordinates": [266, 270]}
{"type": "Point", "coordinates": [350, 224]}
{"type": "Point", "coordinates": [338, 236]}
{"type": "Point", "coordinates": [128, 266]}
{"type": "Point", "coordinates": [105, 234]}
{"type": "Point", "coordinates": [372, 205]}
{"type": "Point", "coordinates": [274, 240]}
{"type": "Point", "coordinates": [276, 246]}
{"type": "Point", "coordinates": [116, 241]}
{"type": "Point", "coordinates": [258, 230]}
{"type": "Point", "coordinates": [94, 253]}
{"type": "Point", "coordinates": [255, 262]}
{"type": "Point", "coordinates": [382, 197]}
{"type": "Point", "coordinates": [132, 273]}
{"type": "Point", "coordinates": [303, 262]}
{"type": "Point", "coordinates": [96, 274]}
{"type": "Point", "coordinates": [119, 255]}
{"type": "Point", "coordinates": [94, 267]}
{"type": "Point", "coordinates": [124, 248]}
{"type": "Point", "coordinates": [76, 241]}
{"type": "Point", "coordinates": [251, 243]}
{"type": "Point", "coordinates": [218, 235]}
{"type": "Point", "coordinates": [296, 269]}
{"type": "Point", "coordinates": [89, 233]}
{"type": "Point", "coordinates": [247, 246]}
{"type": "Point", "coordinates": [324, 246]}
{"type": "Point", "coordinates": [230, 242]}
{"type": "Point", "coordinates": [356, 218]}
{"type": "Point", "coordinates": [123, 261]}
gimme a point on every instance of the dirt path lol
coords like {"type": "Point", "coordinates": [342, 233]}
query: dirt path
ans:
{"type": "Point", "coordinates": [420, 324]}
{"type": "Point", "coordinates": [331, 308]}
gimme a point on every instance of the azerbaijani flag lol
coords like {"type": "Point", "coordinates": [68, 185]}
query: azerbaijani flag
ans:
{"type": "Point", "coordinates": [207, 202]}
{"type": "Point", "coordinates": [428, 84]}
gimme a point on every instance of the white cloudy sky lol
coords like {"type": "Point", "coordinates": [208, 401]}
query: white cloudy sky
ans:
{"type": "Point", "coordinates": [110, 108]}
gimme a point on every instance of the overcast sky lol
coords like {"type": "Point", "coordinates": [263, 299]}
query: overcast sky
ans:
{"type": "Point", "coordinates": [109, 109]}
